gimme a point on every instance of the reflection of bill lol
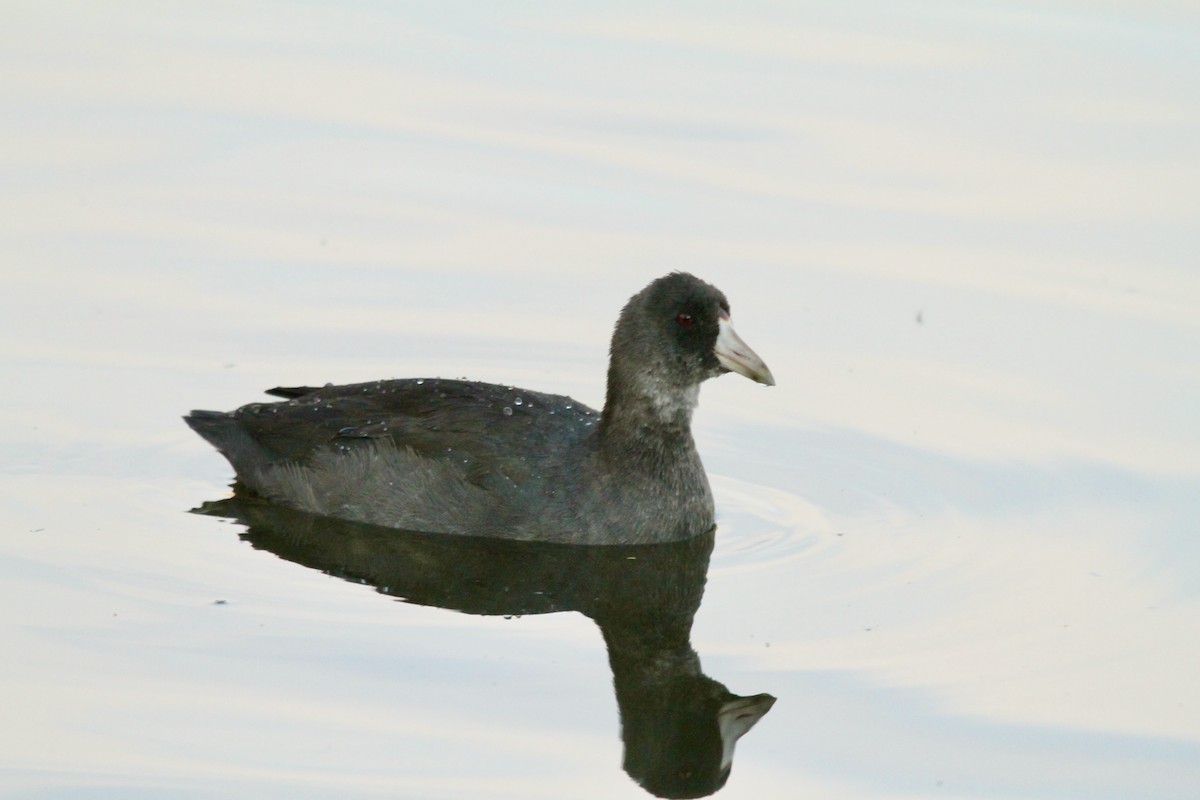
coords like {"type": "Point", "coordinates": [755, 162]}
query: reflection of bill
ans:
{"type": "Point", "coordinates": [679, 726]}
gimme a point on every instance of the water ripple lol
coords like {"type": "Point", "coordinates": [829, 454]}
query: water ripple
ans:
{"type": "Point", "coordinates": [762, 527]}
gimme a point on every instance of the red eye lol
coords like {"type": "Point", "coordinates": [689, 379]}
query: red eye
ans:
{"type": "Point", "coordinates": [684, 320]}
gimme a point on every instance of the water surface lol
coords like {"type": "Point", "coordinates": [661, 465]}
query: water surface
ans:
{"type": "Point", "coordinates": [958, 541]}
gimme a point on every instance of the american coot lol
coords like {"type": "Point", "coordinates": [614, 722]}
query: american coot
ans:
{"type": "Point", "coordinates": [476, 458]}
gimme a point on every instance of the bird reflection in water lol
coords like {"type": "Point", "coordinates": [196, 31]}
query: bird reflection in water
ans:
{"type": "Point", "coordinates": [679, 727]}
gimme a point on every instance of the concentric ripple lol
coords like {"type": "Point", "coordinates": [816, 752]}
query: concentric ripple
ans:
{"type": "Point", "coordinates": [761, 527]}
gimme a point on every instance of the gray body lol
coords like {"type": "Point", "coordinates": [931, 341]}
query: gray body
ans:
{"type": "Point", "coordinates": [481, 459]}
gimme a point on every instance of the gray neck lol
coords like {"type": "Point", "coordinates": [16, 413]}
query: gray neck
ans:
{"type": "Point", "coordinates": [645, 416]}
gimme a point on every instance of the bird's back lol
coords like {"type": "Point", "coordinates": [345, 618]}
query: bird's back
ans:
{"type": "Point", "coordinates": [426, 454]}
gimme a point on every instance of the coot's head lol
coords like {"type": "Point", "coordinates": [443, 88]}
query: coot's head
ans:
{"type": "Point", "coordinates": [673, 335]}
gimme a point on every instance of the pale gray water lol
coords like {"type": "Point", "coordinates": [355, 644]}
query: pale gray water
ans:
{"type": "Point", "coordinates": [959, 539]}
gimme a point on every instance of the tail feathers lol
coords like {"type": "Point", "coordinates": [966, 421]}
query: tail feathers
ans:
{"type": "Point", "coordinates": [212, 425]}
{"type": "Point", "coordinates": [223, 432]}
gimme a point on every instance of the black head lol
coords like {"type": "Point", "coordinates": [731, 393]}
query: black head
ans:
{"type": "Point", "coordinates": [673, 335]}
{"type": "Point", "coordinates": [681, 324]}
{"type": "Point", "coordinates": [677, 317]}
